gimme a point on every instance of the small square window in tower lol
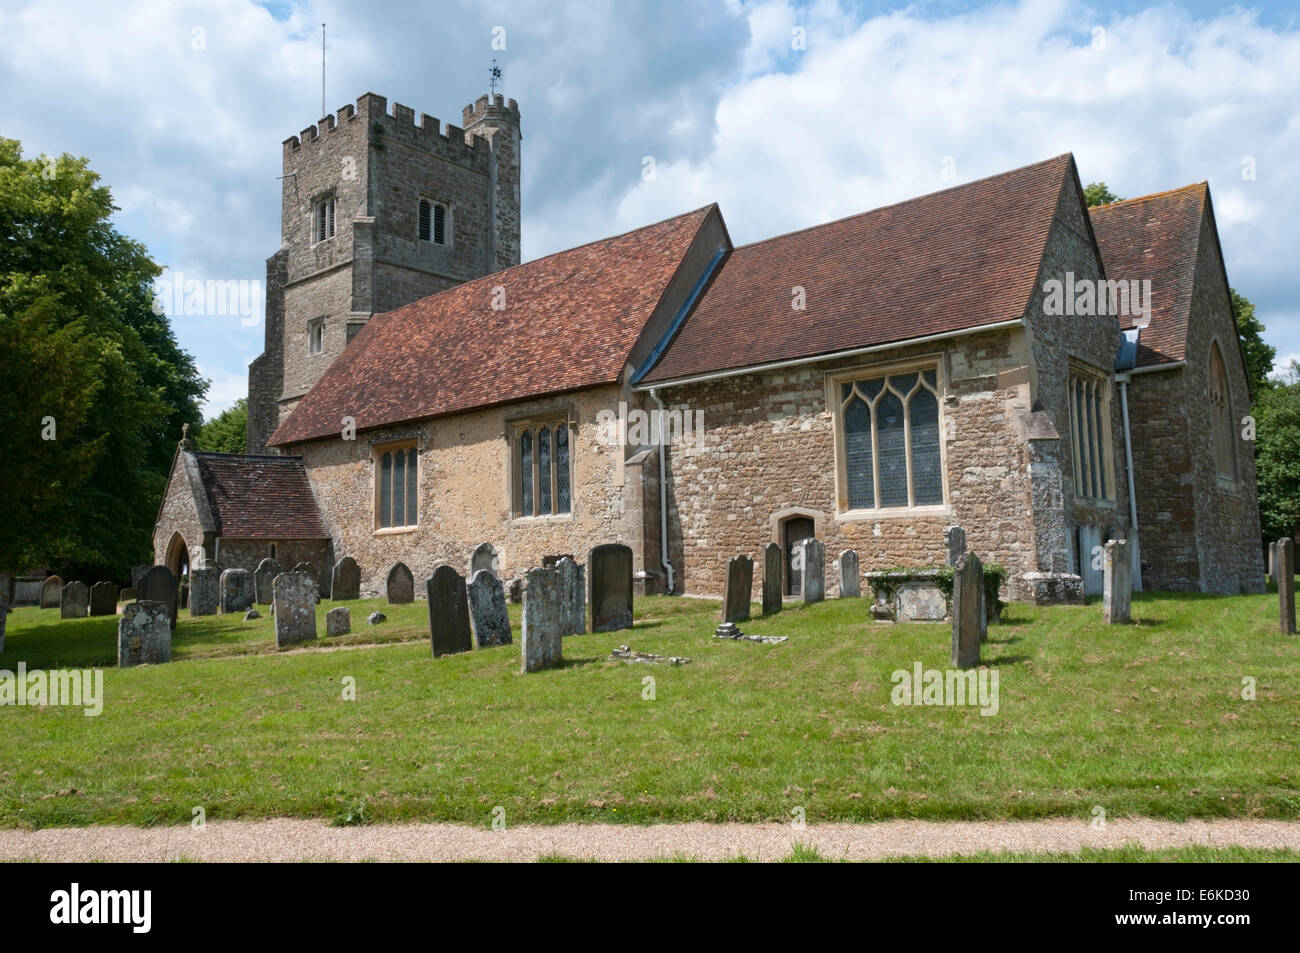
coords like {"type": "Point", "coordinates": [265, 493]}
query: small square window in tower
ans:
{"type": "Point", "coordinates": [323, 226]}
{"type": "Point", "coordinates": [315, 335]}
{"type": "Point", "coordinates": [433, 222]}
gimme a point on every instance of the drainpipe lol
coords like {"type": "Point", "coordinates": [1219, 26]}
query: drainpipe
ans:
{"type": "Point", "coordinates": [1122, 380]}
{"type": "Point", "coordinates": [663, 495]}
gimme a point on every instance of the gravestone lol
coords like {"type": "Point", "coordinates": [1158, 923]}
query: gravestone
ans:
{"type": "Point", "coordinates": [540, 644]}
{"type": "Point", "coordinates": [850, 581]}
{"type": "Point", "coordinates": [205, 591]}
{"type": "Point", "coordinates": [1117, 583]}
{"type": "Point", "coordinates": [127, 595]}
{"type": "Point", "coordinates": [813, 563]}
{"type": "Point", "coordinates": [236, 590]}
{"type": "Point", "coordinates": [1272, 562]}
{"type": "Point", "coordinates": [573, 596]}
{"type": "Point", "coordinates": [611, 587]}
{"type": "Point", "coordinates": [449, 631]}
{"type": "Point", "coordinates": [550, 562]}
{"type": "Point", "coordinates": [346, 580]}
{"type": "Point", "coordinates": [771, 578]}
{"type": "Point", "coordinates": [954, 541]}
{"type": "Point", "coordinates": [515, 591]}
{"type": "Point", "coordinates": [488, 617]}
{"type": "Point", "coordinates": [144, 633]}
{"type": "Point", "coordinates": [484, 556]}
{"type": "Point", "coordinates": [263, 577]}
{"type": "Point", "coordinates": [338, 621]}
{"type": "Point", "coordinates": [310, 570]}
{"type": "Point", "coordinates": [52, 592]}
{"type": "Point", "coordinates": [967, 584]}
{"type": "Point", "coordinates": [74, 601]}
{"type": "Point", "coordinates": [401, 585]}
{"type": "Point", "coordinates": [1286, 585]}
{"type": "Point", "coordinates": [103, 598]}
{"type": "Point", "coordinates": [27, 591]}
{"type": "Point", "coordinates": [738, 589]}
{"type": "Point", "coordinates": [137, 573]}
{"type": "Point", "coordinates": [159, 585]}
{"type": "Point", "coordinates": [294, 607]}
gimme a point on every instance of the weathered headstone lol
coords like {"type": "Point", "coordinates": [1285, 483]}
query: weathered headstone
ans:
{"type": "Point", "coordinates": [159, 585]}
{"type": "Point", "coordinates": [137, 573]}
{"type": "Point", "coordinates": [540, 645]}
{"type": "Point", "coordinates": [1272, 562]}
{"type": "Point", "coordinates": [263, 577]}
{"type": "Point", "coordinates": [772, 565]}
{"type": "Point", "coordinates": [346, 581]}
{"type": "Point", "coordinates": [401, 585]}
{"type": "Point", "coordinates": [127, 595]}
{"type": "Point", "coordinates": [484, 556]}
{"type": "Point", "coordinates": [103, 598]}
{"type": "Point", "coordinates": [573, 596]}
{"type": "Point", "coordinates": [1117, 583]}
{"type": "Point", "coordinates": [610, 566]}
{"type": "Point", "coordinates": [954, 541]}
{"type": "Point", "coordinates": [236, 590]}
{"type": "Point", "coordinates": [738, 589]}
{"type": "Point", "coordinates": [27, 591]}
{"type": "Point", "coordinates": [294, 606]}
{"type": "Point", "coordinates": [488, 617]}
{"type": "Point", "coordinates": [967, 584]}
{"type": "Point", "coordinates": [205, 591]}
{"type": "Point", "coordinates": [74, 600]}
{"type": "Point", "coordinates": [550, 562]}
{"type": "Point", "coordinates": [850, 581]}
{"type": "Point", "coordinates": [52, 592]}
{"type": "Point", "coordinates": [338, 621]}
{"type": "Point", "coordinates": [515, 591]}
{"type": "Point", "coordinates": [144, 633]}
{"type": "Point", "coordinates": [309, 569]}
{"type": "Point", "coordinates": [449, 631]}
{"type": "Point", "coordinates": [1286, 585]}
{"type": "Point", "coordinates": [813, 562]}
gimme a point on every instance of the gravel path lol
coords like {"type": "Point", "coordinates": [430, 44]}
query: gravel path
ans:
{"type": "Point", "coordinates": [297, 840]}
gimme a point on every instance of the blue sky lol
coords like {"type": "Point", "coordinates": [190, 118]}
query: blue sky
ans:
{"type": "Point", "coordinates": [884, 102]}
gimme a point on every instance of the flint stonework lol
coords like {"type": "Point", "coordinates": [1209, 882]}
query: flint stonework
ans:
{"type": "Point", "coordinates": [263, 577]}
{"type": "Point", "coordinates": [338, 621]}
{"type": "Point", "coordinates": [1286, 585]}
{"type": "Point", "coordinates": [236, 587]}
{"type": "Point", "coordinates": [159, 585]}
{"type": "Point", "coordinates": [739, 589]}
{"type": "Point", "coordinates": [103, 598]}
{"type": "Point", "coordinates": [74, 600]}
{"type": "Point", "coordinates": [967, 608]}
{"type": "Point", "coordinates": [144, 634]}
{"type": "Point", "coordinates": [772, 566]}
{"type": "Point", "coordinates": [540, 644]}
{"type": "Point", "coordinates": [52, 592]}
{"type": "Point", "coordinates": [850, 581]}
{"type": "Point", "coordinates": [294, 607]}
{"type": "Point", "coordinates": [489, 619]}
{"type": "Point", "coordinates": [813, 561]}
{"type": "Point", "coordinates": [610, 566]}
{"type": "Point", "coordinates": [345, 583]}
{"type": "Point", "coordinates": [401, 585]}
{"type": "Point", "coordinates": [1117, 583]}
{"type": "Point", "coordinates": [573, 596]}
{"type": "Point", "coordinates": [205, 592]}
{"type": "Point", "coordinates": [449, 630]}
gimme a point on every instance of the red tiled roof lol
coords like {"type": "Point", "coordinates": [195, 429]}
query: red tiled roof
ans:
{"type": "Point", "coordinates": [570, 321]}
{"type": "Point", "coordinates": [259, 497]}
{"type": "Point", "coordinates": [1155, 237]}
{"type": "Point", "coordinates": [949, 261]}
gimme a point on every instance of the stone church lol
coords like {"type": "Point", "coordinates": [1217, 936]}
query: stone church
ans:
{"type": "Point", "coordinates": [869, 381]}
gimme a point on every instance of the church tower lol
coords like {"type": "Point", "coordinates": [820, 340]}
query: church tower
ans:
{"type": "Point", "coordinates": [377, 211]}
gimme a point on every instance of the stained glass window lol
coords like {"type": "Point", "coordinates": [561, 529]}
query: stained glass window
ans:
{"type": "Point", "coordinates": [543, 471]}
{"type": "Point", "coordinates": [526, 473]}
{"type": "Point", "coordinates": [562, 492]}
{"type": "Point", "coordinates": [892, 455]}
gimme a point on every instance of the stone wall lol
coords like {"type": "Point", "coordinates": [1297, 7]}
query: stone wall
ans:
{"type": "Point", "coordinates": [179, 514]}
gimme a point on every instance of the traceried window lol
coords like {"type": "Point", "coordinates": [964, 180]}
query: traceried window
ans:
{"type": "Point", "coordinates": [397, 475]}
{"type": "Point", "coordinates": [890, 426]}
{"type": "Point", "coordinates": [1225, 457]}
{"type": "Point", "coordinates": [543, 484]}
{"type": "Point", "coordinates": [433, 222]}
{"type": "Point", "coordinates": [323, 219]}
{"type": "Point", "coordinates": [315, 335]}
{"type": "Point", "coordinates": [1089, 398]}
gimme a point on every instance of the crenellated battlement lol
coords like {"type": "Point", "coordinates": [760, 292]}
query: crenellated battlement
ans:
{"type": "Point", "coordinates": [493, 107]}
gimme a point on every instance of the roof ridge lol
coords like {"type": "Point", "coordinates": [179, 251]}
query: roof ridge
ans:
{"type": "Point", "coordinates": [275, 457]}
{"type": "Point", "coordinates": [900, 202]}
{"type": "Point", "coordinates": [1202, 185]}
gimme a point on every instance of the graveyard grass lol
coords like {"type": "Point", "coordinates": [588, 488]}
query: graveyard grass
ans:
{"type": "Point", "coordinates": [1145, 719]}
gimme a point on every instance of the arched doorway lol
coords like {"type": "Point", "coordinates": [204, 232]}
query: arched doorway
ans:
{"type": "Point", "coordinates": [795, 530]}
{"type": "Point", "coordinates": [178, 556]}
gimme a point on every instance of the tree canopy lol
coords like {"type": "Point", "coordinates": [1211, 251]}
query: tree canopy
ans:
{"type": "Point", "coordinates": [225, 432]}
{"type": "Point", "coordinates": [1098, 193]}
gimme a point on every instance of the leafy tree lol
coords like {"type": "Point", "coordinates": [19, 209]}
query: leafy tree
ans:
{"type": "Point", "coordinates": [80, 343]}
{"type": "Point", "coordinates": [225, 432]}
{"type": "Point", "coordinates": [1259, 356]}
{"type": "Point", "coordinates": [1098, 193]}
{"type": "Point", "coordinates": [1277, 455]}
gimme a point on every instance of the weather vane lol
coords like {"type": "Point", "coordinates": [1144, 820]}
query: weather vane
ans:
{"type": "Point", "coordinates": [496, 76]}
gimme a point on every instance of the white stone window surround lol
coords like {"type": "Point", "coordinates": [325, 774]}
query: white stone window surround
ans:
{"type": "Point", "coordinates": [447, 221]}
{"type": "Point", "coordinates": [533, 423]}
{"type": "Point", "coordinates": [835, 380]}
{"type": "Point", "coordinates": [1088, 395]}
{"type": "Point", "coordinates": [411, 447]}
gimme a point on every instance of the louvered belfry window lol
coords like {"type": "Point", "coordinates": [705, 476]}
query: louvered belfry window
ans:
{"type": "Point", "coordinates": [324, 219]}
{"type": "Point", "coordinates": [543, 482]}
{"type": "Point", "coordinates": [397, 475]}
{"type": "Point", "coordinates": [891, 457]}
{"type": "Point", "coordinates": [433, 222]}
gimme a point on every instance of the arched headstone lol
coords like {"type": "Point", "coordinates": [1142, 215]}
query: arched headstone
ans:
{"type": "Point", "coordinates": [263, 576]}
{"type": "Point", "coordinates": [346, 580]}
{"type": "Point", "coordinates": [484, 556]}
{"type": "Point", "coordinates": [488, 616]}
{"type": "Point", "coordinates": [52, 592]}
{"type": "Point", "coordinates": [610, 566]}
{"type": "Point", "coordinates": [74, 601]}
{"type": "Point", "coordinates": [401, 585]}
{"type": "Point", "coordinates": [159, 585]}
{"type": "Point", "coordinates": [449, 630]}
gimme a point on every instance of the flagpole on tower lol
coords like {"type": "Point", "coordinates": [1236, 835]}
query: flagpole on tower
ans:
{"type": "Point", "coordinates": [322, 69]}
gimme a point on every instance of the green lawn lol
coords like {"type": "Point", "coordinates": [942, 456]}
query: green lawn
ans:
{"type": "Point", "coordinates": [1143, 719]}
